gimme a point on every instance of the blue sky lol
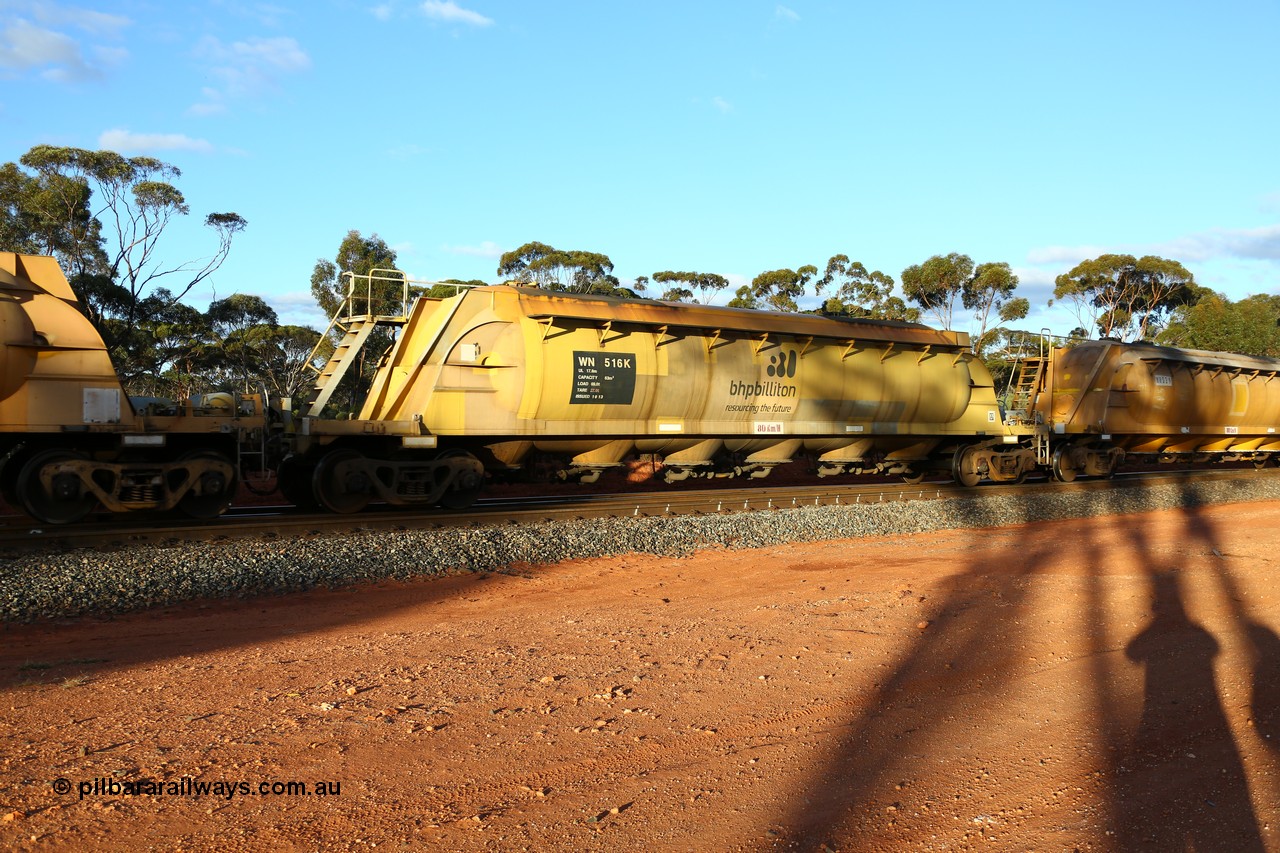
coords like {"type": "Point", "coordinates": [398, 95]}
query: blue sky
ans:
{"type": "Point", "coordinates": [727, 137]}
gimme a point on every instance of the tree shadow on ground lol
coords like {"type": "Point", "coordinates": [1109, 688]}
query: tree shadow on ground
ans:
{"type": "Point", "coordinates": [1170, 771]}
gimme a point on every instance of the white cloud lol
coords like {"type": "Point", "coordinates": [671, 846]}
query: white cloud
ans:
{"type": "Point", "coordinates": [487, 249]}
{"type": "Point", "coordinates": [246, 68]}
{"type": "Point", "coordinates": [297, 308]}
{"type": "Point", "coordinates": [382, 12]}
{"type": "Point", "coordinates": [721, 104]}
{"type": "Point", "coordinates": [786, 13]}
{"type": "Point", "coordinates": [94, 23]}
{"type": "Point", "coordinates": [450, 12]}
{"type": "Point", "coordinates": [45, 47]}
{"type": "Point", "coordinates": [25, 46]}
{"type": "Point", "coordinates": [1254, 244]}
{"type": "Point", "coordinates": [127, 142]}
{"type": "Point", "coordinates": [212, 105]}
{"type": "Point", "coordinates": [1257, 244]}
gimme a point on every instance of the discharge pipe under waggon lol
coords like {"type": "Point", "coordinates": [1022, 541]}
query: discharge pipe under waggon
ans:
{"type": "Point", "coordinates": [500, 372]}
{"type": "Point", "coordinates": [70, 440]}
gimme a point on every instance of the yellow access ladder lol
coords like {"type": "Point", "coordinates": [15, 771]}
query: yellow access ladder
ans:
{"type": "Point", "coordinates": [362, 311]}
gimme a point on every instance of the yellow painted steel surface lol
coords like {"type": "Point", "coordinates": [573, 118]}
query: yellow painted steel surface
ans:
{"type": "Point", "coordinates": [56, 370]}
{"type": "Point", "coordinates": [56, 374]}
{"type": "Point", "coordinates": [1153, 399]}
{"type": "Point", "coordinates": [593, 375]}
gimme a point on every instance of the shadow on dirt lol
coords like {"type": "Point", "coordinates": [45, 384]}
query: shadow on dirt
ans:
{"type": "Point", "coordinates": [48, 652]}
{"type": "Point", "coordinates": [1168, 771]}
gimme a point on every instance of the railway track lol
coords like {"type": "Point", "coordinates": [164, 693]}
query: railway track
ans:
{"type": "Point", "coordinates": [22, 534]}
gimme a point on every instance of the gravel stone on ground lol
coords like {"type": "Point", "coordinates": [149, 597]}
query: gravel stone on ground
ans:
{"type": "Point", "coordinates": [55, 586]}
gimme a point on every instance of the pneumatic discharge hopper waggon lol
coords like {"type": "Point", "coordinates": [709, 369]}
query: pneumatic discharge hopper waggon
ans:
{"type": "Point", "coordinates": [495, 376]}
{"type": "Point", "coordinates": [497, 380]}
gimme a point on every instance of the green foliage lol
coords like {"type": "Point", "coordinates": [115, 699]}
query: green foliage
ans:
{"type": "Point", "coordinates": [102, 215]}
{"type": "Point", "coordinates": [708, 284]}
{"type": "Point", "coordinates": [540, 265]}
{"type": "Point", "coordinates": [136, 200]}
{"type": "Point", "coordinates": [937, 284]}
{"type": "Point", "coordinates": [1250, 326]}
{"type": "Point", "coordinates": [242, 327]}
{"type": "Point", "coordinates": [377, 288]}
{"type": "Point", "coordinates": [860, 293]}
{"type": "Point", "coordinates": [780, 289]}
{"type": "Point", "coordinates": [235, 345]}
{"type": "Point", "coordinates": [985, 290]}
{"type": "Point", "coordinates": [1125, 297]}
{"type": "Point", "coordinates": [1005, 348]}
{"type": "Point", "coordinates": [989, 290]}
{"type": "Point", "coordinates": [444, 289]}
{"type": "Point", "coordinates": [361, 256]}
{"type": "Point", "coordinates": [744, 297]}
{"type": "Point", "coordinates": [49, 214]}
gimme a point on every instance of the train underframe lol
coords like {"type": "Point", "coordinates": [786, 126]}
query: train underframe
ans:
{"type": "Point", "coordinates": [998, 459]}
{"type": "Point", "coordinates": [198, 477]}
{"type": "Point", "coordinates": [59, 482]}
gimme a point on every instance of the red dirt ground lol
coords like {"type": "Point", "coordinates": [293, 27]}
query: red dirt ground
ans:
{"type": "Point", "coordinates": [1105, 684]}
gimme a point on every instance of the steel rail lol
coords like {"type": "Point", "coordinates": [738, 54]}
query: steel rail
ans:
{"type": "Point", "coordinates": [21, 534]}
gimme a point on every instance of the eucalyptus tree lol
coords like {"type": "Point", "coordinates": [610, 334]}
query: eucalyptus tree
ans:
{"type": "Point", "coordinates": [744, 297]}
{"type": "Point", "coordinates": [48, 214]}
{"type": "Point", "coordinates": [1124, 297]}
{"type": "Point", "coordinates": [133, 200]}
{"type": "Point", "coordinates": [708, 284]}
{"type": "Point", "coordinates": [289, 359]}
{"type": "Point", "coordinates": [780, 289]}
{"type": "Point", "coordinates": [360, 256]}
{"type": "Point", "coordinates": [1250, 326]}
{"type": "Point", "coordinates": [243, 329]}
{"type": "Point", "coordinates": [859, 293]}
{"type": "Point", "coordinates": [937, 285]}
{"type": "Point", "coordinates": [989, 295]}
{"type": "Point", "coordinates": [103, 216]}
{"type": "Point", "coordinates": [575, 271]}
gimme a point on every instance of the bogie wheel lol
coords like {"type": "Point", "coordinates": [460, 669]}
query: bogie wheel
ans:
{"type": "Point", "coordinates": [210, 496]}
{"type": "Point", "coordinates": [64, 502]}
{"type": "Point", "coordinates": [465, 488]}
{"type": "Point", "coordinates": [913, 479]}
{"type": "Point", "coordinates": [339, 487]}
{"type": "Point", "coordinates": [1061, 466]}
{"type": "Point", "coordinates": [964, 467]}
{"type": "Point", "coordinates": [295, 482]}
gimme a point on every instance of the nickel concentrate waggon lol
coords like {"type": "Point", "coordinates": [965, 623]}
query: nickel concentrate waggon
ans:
{"type": "Point", "coordinates": [487, 381]}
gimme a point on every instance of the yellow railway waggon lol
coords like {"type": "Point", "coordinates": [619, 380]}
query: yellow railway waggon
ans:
{"type": "Point", "coordinates": [498, 380]}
